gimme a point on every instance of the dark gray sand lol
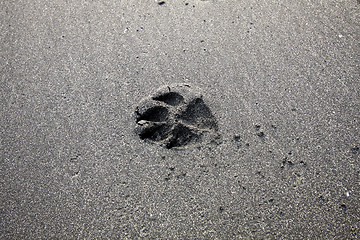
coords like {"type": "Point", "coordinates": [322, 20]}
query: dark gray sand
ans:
{"type": "Point", "coordinates": [280, 91]}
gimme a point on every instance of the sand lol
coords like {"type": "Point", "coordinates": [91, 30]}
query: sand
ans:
{"type": "Point", "coordinates": [279, 85]}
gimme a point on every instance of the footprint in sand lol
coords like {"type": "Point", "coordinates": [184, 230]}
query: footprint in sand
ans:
{"type": "Point", "coordinates": [175, 116]}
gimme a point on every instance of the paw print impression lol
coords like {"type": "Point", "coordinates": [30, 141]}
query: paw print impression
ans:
{"type": "Point", "coordinates": [175, 117]}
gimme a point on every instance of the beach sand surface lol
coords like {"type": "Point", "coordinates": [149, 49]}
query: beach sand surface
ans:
{"type": "Point", "coordinates": [280, 99]}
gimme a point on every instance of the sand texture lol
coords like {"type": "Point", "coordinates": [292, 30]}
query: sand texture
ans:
{"type": "Point", "coordinates": [180, 119]}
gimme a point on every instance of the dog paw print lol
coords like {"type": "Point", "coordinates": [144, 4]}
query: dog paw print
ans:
{"type": "Point", "coordinates": [175, 117]}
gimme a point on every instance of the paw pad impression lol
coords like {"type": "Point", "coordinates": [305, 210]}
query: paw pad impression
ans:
{"type": "Point", "coordinates": [175, 117]}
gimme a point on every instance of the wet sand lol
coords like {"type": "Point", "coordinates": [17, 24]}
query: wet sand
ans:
{"type": "Point", "coordinates": [279, 85]}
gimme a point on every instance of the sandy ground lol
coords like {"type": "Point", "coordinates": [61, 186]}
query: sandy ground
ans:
{"type": "Point", "coordinates": [281, 78]}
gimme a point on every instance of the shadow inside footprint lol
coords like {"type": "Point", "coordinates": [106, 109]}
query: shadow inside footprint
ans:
{"type": "Point", "coordinates": [181, 136]}
{"type": "Point", "coordinates": [198, 114]}
{"type": "Point", "coordinates": [154, 114]}
{"type": "Point", "coordinates": [156, 132]}
{"type": "Point", "coordinates": [170, 98]}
